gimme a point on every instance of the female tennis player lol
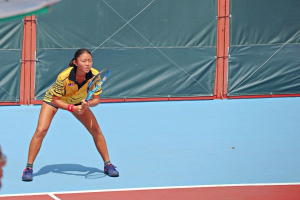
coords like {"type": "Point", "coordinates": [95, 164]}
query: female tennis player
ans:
{"type": "Point", "coordinates": [69, 93]}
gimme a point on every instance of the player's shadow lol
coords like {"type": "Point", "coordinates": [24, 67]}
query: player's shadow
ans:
{"type": "Point", "coordinates": [72, 169]}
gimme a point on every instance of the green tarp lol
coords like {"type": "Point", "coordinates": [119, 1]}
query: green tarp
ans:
{"type": "Point", "coordinates": [11, 37]}
{"type": "Point", "coordinates": [163, 48]}
{"type": "Point", "coordinates": [264, 47]}
{"type": "Point", "coordinates": [168, 48]}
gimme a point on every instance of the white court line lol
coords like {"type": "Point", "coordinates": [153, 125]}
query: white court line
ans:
{"type": "Point", "coordinates": [54, 197]}
{"type": "Point", "coordinates": [152, 188]}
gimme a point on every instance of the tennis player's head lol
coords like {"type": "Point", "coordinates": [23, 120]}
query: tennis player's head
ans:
{"type": "Point", "coordinates": [82, 60]}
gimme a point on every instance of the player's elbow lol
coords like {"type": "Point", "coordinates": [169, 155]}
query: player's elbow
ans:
{"type": "Point", "coordinates": [98, 101]}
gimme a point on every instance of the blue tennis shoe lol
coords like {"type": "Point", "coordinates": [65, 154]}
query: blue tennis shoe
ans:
{"type": "Point", "coordinates": [27, 174]}
{"type": "Point", "coordinates": [109, 170]}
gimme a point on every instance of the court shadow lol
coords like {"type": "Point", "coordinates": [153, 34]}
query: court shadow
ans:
{"type": "Point", "coordinates": [73, 170]}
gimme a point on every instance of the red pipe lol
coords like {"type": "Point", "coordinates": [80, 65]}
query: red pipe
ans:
{"type": "Point", "coordinates": [220, 91]}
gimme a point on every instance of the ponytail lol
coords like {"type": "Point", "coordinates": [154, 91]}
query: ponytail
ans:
{"type": "Point", "coordinates": [71, 64]}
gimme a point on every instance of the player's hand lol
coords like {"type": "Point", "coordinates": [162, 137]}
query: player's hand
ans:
{"type": "Point", "coordinates": [85, 104]}
{"type": "Point", "coordinates": [78, 110]}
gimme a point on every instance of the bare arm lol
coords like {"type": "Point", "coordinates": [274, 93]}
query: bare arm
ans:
{"type": "Point", "coordinates": [95, 101]}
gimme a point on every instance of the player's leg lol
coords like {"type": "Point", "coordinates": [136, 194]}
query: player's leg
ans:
{"type": "Point", "coordinates": [89, 121]}
{"type": "Point", "coordinates": [46, 115]}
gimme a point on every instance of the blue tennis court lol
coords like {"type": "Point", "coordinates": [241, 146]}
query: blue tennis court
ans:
{"type": "Point", "coordinates": [202, 100]}
{"type": "Point", "coordinates": [158, 145]}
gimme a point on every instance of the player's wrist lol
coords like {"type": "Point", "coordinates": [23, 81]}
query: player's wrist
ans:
{"type": "Point", "coordinates": [71, 107]}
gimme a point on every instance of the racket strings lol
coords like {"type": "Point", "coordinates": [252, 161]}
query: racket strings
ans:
{"type": "Point", "coordinates": [94, 82]}
{"type": "Point", "coordinates": [168, 58]}
{"type": "Point", "coordinates": [97, 81]}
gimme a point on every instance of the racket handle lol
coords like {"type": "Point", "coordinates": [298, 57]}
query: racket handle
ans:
{"type": "Point", "coordinates": [88, 96]}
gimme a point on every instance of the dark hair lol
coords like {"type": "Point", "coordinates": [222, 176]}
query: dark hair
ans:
{"type": "Point", "coordinates": [77, 54]}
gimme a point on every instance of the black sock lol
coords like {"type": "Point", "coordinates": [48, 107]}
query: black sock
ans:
{"type": "Point", "coordinates": [29, 165]}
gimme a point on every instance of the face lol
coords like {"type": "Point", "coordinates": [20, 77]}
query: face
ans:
{"type": "Point", "coordinates": [84, 62]}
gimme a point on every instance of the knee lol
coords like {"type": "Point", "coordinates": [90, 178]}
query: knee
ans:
{"type": "Point", "coordinates": [40, 132]}
{"type": "Point", "coordinates": [95, 131]}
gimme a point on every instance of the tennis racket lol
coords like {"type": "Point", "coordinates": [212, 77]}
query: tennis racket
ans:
{"type": "Point", "coordinates": [96, 82]}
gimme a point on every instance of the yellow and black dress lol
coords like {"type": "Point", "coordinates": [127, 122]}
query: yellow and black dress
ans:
{"type": "Point", "coordinates": [68, 89]}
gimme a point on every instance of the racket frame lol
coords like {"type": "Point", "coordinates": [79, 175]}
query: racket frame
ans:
{"type": "Point", "coordinates": [90, 93]}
